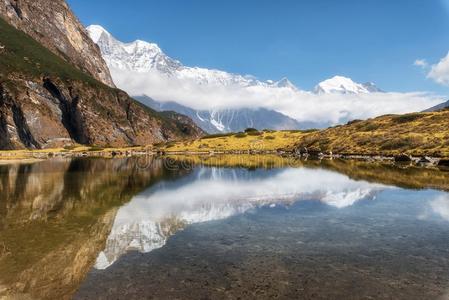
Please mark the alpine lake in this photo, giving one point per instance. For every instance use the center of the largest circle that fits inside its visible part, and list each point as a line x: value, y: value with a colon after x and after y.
x: 223, y: 227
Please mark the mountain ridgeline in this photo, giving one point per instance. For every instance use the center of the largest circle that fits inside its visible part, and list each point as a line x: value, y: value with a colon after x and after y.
x: 55, y: 88
x: 230, y: 120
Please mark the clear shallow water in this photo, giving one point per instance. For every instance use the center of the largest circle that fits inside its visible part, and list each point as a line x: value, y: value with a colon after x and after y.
x: 105, y: 229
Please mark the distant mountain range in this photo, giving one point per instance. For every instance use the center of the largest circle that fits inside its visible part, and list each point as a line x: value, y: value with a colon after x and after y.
x: 141, y: 56
x: 230, y: 120
x: 147, y: 58
x: 438, y: 107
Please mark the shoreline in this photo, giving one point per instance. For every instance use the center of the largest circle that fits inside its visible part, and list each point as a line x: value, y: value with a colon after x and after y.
x: 32, y: 156
x: 24, y: 156
x: 416, y: 160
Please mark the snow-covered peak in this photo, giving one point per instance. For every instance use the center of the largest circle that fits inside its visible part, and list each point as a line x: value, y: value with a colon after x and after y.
x: 142, y: 46
x: 96, y: 31
x: 344, y: 85
x: 137, y: 56
x: 142, y: 57
x: 285, y: 83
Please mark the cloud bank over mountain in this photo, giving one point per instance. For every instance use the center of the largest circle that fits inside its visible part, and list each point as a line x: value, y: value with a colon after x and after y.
x: 142, y: 68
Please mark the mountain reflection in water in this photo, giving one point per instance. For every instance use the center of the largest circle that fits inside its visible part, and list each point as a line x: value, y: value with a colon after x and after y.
x: 213, y: 194
x: 109, y: 220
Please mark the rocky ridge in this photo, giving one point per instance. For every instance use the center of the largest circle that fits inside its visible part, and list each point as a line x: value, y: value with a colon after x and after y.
x: 47, y: 102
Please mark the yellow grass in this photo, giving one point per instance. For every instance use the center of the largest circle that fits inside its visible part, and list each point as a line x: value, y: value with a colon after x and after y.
x: 417, y: 134
x: 266, y: 141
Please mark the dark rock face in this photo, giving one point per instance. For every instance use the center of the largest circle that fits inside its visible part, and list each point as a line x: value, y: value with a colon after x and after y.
x: 52, y: 23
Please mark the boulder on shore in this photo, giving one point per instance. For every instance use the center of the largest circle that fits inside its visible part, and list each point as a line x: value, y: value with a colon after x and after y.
x: 425, y: 160
x: 403, y: 158
x: 443, y: 163
x: 314, y: 151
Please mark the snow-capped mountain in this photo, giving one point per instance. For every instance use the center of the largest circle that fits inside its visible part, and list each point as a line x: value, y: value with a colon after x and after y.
x: 140, y: 56
x: 344, y: 85
x: 137, y: 56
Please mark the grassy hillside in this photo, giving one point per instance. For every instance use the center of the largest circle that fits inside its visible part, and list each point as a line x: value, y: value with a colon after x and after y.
x: 416, y: 134
x: 20, y: 53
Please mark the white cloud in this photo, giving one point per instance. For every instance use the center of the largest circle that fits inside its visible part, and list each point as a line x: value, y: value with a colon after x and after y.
x: 421, y: 63
x: 301, y: 105
x: 441, y: 206
x: 440, y: 71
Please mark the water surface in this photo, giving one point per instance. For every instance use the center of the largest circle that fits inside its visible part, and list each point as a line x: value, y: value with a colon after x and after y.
x: 223, y: 228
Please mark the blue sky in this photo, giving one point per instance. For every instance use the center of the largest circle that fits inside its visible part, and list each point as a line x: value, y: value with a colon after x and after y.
x: 306, y: 41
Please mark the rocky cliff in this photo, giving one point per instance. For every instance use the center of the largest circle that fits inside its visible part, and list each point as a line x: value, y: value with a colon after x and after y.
x: 47, y: 102
x: 52, y: 23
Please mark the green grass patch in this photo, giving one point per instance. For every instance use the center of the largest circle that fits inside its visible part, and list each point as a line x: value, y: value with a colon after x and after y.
x: 240, y: 135
x: 218, y: 135
x: 254, y: 133
x: 408, y: 118
x: 23, y: 54
x: 247, y: 130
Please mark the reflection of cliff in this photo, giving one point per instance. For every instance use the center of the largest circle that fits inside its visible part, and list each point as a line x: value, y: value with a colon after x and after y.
x: 211, y: 194
x: 55, y: 218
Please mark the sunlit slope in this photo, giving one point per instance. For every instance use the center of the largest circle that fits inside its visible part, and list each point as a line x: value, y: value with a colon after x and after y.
x: 415, y: 134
